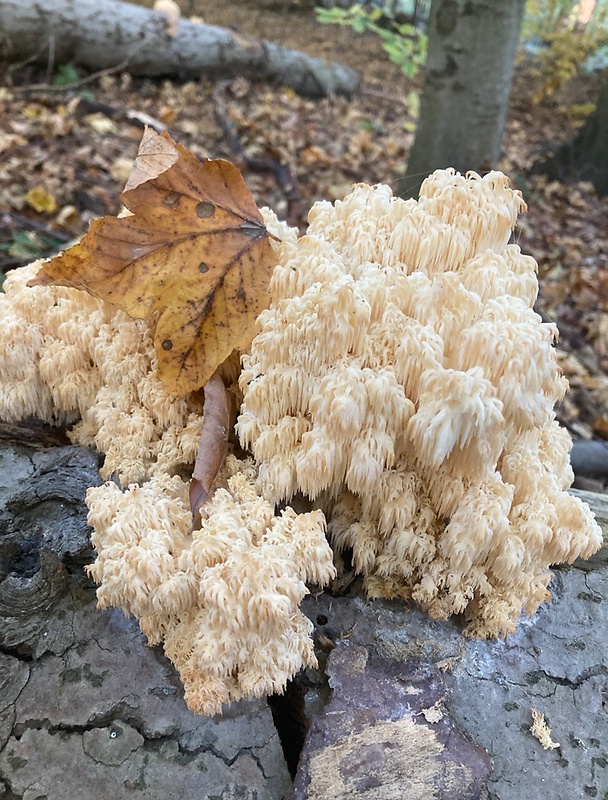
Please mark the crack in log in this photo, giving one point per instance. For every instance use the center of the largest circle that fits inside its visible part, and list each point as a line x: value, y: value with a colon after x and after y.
x: 290, y: 721
x: 291, y: 713
x: 597, y: 597
x: 184, y: 753
x: 120, y: 712
x: 591, y: 672
x: 12, y: 651
x: 6, y: 785
x: 230, y: 760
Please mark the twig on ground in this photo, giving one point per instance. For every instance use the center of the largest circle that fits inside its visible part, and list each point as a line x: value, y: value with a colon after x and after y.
x: 69, y: 87
x: 27, y: 222
x: 88, y: 106
x: 281, y: 172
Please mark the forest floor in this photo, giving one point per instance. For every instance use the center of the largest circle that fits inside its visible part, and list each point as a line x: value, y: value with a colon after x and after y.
x: 66, y: 151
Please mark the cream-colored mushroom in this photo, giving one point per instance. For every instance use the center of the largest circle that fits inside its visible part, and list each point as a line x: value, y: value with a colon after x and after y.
x: 420, y: 415
x: 400, y: 378
x: 224, y: 599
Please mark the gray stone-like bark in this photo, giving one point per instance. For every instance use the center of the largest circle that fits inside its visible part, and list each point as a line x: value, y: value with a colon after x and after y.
x: 103, y: 35
x: 386, y: 735
x: 87, y: 709
x: 556, y: 663
x: 405, y: 705
x: 472, y: 47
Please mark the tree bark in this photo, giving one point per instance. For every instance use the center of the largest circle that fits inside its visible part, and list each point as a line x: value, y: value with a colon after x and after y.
x: 586, y: 157
x: 84, y: 701
x: 472, y: 47
x: 103, y: 35
x: 598, y: 503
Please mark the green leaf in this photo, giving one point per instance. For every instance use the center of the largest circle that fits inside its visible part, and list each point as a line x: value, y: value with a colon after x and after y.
x: 28, y: 245
x: 65, y: 75
x: 404, y: 44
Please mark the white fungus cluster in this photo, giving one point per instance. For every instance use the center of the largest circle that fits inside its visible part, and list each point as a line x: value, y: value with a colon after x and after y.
x: 67, y: 357
x: 223, y: 599
x: 402, y: 380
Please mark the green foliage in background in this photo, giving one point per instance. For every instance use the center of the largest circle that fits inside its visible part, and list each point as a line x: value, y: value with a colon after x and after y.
x: 543, y: 16
x: 565, y: 40
x: 404, y: 44
x: 26, y: 246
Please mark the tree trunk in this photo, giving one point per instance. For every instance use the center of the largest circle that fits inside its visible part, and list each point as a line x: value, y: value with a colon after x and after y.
x: 100, y: 35
x: 472, y: 47
x: 586, y: 157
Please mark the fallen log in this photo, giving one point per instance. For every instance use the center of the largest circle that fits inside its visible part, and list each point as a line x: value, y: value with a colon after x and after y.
x: 598, y: 503
x: 100, y: 36
x: 410, y: 702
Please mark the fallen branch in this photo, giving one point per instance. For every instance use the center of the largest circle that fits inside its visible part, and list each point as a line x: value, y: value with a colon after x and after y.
x: 590, y: 459
x: 47, y: 88
x: 9, y: 216
x: 100, y: 36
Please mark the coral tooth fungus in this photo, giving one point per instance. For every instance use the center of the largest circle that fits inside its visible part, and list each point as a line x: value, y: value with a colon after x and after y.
x: 399, y: 378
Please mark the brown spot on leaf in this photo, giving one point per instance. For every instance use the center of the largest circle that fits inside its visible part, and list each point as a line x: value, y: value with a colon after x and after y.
x: 205, y: 210
x: 172, y: 200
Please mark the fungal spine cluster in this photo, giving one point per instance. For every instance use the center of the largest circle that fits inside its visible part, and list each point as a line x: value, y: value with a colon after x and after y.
x: 400, y: 379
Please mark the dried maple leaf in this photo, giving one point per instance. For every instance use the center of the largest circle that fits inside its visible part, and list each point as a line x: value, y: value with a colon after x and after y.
x: 195, y: 250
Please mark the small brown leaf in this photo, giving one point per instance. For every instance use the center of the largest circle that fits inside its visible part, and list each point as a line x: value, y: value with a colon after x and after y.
x: 195, y: 250
x: 212, y: 444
